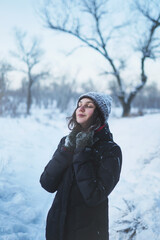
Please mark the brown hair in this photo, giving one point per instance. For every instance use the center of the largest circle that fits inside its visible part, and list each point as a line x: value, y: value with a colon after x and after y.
x: 94, y: 122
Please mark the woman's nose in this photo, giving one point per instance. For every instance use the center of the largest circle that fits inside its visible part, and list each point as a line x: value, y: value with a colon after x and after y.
x: 82, y: 108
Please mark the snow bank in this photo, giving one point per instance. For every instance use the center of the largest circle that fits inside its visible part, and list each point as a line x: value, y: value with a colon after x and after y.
x: 27, y: 144
x: 135, y: 203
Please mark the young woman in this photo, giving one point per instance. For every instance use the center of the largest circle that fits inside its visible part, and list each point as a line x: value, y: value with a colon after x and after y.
x: 83, y: 170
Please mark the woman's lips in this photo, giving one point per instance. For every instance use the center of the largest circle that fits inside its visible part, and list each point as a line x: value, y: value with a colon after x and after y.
x: 81, y: 115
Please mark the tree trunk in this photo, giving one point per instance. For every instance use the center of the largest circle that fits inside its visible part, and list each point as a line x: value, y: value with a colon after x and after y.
x: 126, y: 105
x: 29, y: 97
x: 126, y: 109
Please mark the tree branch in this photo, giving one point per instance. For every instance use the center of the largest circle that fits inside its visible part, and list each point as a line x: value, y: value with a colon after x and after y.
x: 96, y: 10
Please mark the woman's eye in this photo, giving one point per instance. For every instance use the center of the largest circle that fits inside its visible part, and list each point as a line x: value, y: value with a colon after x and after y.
x: 89, y: 106
x: 85, y: 106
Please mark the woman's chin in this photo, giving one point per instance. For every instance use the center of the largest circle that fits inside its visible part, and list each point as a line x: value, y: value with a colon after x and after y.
x: 81, y: 123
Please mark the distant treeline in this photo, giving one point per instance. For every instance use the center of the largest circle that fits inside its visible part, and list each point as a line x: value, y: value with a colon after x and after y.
x: 64, y: 94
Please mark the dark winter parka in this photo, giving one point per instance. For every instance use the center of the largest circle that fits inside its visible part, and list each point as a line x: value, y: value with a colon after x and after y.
x: 83, y: 180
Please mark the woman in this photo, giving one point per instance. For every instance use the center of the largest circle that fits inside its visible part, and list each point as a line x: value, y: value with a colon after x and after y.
x: 83, y: 170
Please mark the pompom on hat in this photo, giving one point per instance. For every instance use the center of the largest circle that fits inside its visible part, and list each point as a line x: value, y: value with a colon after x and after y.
x: 102, y: 101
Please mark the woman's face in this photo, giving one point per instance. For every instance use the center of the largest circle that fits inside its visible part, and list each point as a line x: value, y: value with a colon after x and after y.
x: 84, y: 111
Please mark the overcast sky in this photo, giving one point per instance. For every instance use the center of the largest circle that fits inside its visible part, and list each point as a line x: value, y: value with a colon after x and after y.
x: 22, y: 14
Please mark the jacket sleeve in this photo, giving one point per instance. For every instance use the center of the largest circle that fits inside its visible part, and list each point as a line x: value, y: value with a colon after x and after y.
x: 56, y: 167
x: 96, y: 185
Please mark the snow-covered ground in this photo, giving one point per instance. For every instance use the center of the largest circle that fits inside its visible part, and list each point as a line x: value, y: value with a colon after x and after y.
x: 27, y: 144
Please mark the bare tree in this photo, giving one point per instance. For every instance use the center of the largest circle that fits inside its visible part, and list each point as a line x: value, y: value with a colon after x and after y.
x: 149, y: 98
x: 148, y: 44
x: 30, y: 55
x: 64, y: 91
x: 4, y: 69
x: 97, y: 37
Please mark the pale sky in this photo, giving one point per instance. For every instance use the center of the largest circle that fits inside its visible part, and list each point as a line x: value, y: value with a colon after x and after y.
x: 86, y: 63
x: 22, y: 14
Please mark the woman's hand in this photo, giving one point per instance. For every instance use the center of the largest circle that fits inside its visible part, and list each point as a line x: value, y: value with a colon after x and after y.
x: 84, y: 139
x: 70, y: 141
x: 78, y: 139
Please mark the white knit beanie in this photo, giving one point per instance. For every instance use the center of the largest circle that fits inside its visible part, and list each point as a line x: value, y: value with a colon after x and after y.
x: 101, y: 100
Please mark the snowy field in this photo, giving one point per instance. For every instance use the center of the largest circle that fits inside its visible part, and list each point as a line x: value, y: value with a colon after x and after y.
x: 27, y: 144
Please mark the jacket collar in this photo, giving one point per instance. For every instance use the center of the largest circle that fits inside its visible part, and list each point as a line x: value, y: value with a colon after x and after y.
x: 103, y: 133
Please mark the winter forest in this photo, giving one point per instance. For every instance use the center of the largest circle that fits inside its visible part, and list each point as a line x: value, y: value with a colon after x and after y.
x: 55, y: 51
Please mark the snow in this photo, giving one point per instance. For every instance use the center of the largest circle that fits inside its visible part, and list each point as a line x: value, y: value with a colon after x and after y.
x: 137, y: 194
x: 27, y: 144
